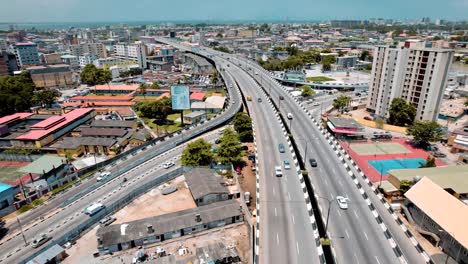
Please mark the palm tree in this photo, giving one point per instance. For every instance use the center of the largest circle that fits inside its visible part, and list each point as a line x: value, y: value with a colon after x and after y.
x: 143, y: 90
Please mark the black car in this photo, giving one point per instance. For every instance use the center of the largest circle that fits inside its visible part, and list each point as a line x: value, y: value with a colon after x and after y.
x: 259, y: 100
x: 217, y: 141
x: 313, y: 162
x: 281, y: 97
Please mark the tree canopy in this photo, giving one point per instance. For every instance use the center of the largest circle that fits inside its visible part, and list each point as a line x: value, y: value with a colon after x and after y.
x: 157, y: 109
x: 243, y: 126
x: 197, y: 153
x: 230, y: 149
x: 430, y: 162
x: 401, y: 113
x: 341, y: 102
x: 424, y: 132
x: 93, y: 76
x: 307, y: 91
x: 46, y: 97
x: 142, y: 89
x: 327, y: 61
x: 16, y: 93
x: 155, y: 85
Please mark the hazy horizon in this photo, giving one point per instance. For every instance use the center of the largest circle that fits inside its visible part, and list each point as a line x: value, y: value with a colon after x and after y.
x: 121, y: 11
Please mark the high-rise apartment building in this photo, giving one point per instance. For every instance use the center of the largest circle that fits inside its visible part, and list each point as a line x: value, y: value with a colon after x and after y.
x: 135, y: 51
x: 26, y: 53
x: 412, y: 72
x: 97, y: 49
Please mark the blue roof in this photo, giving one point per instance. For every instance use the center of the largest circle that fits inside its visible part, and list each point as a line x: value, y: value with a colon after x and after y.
x: 4, y: 187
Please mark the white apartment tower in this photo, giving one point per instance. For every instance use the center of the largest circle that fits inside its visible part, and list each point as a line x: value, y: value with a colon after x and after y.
x: 95, y: 49
x: 410, y: 71
x: 135, y: 51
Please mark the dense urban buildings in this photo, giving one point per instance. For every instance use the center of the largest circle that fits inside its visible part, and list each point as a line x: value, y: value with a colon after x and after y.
x: 26, y: 54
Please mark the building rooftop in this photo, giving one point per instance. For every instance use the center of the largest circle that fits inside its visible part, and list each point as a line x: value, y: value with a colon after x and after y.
x: 443, y: 208
x: 217, y: 101
x: 112, y: 123
x: 47, y: 255
x: 197, y: 96
x: 4, y: 187
x: 195, y: 114
x: 198, y: 60
x: 344, y: 122
x: 119, y: 233
x: 448, y: 177
x: 203, y: 181
x: 41, y: 131
x: 103, y: 132
x: 16, y: 116
x: 75, y: 142
x: 43, y: 164
x: 114, y: 87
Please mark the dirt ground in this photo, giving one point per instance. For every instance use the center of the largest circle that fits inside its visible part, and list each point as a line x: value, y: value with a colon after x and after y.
x: 231, y: 236
x: 152, y: 203
x: 247, y: 180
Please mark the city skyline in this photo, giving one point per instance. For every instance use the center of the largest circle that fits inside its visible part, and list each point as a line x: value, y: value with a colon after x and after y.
x: 215, y: 11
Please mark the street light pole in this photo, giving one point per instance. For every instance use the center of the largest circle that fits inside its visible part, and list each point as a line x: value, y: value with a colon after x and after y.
x: 22, y: 233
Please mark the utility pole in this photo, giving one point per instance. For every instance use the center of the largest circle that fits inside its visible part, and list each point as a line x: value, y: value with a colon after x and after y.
x: 22, y: 233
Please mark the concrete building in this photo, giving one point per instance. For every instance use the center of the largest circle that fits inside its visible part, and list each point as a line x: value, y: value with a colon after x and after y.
x: 52, y: 58
x: 71, y: 60
x: 94, y: 49
x: 137, y: 51
x: 436, y: 211
x: 206, y: 186
x: 51, y: 76
x: 7, y: 198
x: 173, y: 225
x: 87, y: 58
x: 199, y: 65
x: 27, y: 54
x: 412, y: 72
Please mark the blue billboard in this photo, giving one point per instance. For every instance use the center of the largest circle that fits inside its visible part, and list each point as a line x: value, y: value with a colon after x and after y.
x: 180, y: 95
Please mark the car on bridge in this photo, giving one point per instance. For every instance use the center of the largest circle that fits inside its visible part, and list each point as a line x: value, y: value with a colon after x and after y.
x: 40, y: 240
x: 278, y: 171
x: 342, y: 202
x: 281, y: 148
x: 259, y: 100
x: 286, y: 164
x: 103, y: 176
x: 167, y: 165
x: 313, y: 162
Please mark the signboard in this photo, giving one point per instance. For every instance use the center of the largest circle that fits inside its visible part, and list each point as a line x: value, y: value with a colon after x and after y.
x: 180, y: 95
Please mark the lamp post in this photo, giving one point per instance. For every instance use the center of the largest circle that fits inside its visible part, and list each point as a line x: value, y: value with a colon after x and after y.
x: 22, y: 233
x: 328, y: 213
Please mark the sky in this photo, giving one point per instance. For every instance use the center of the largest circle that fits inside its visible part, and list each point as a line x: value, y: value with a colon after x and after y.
x: 20, y: 11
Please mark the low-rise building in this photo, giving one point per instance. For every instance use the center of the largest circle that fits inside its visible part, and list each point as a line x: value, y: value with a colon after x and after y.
x: 436, y: 211
x: 194, y: 117
x: 7, y: 198
x: 199, y: 65
x: 206, y: 186
x: 344, y: 127
x: 164, y: 227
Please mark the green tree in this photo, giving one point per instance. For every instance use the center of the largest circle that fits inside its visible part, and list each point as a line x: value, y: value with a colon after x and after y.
x: 16, y: 93
x: 155, y: 85
x: 341, y: 102
x: 230, y: 149
x: 466, y: 102
x: 219, y: 35
x: 197, y: 153
x: 401, y: 113
x: 157, y: 109
x: 142, y: 89
x: 93, y: 76
x: 424, y: 132
x: 364, y: 55
x: 243, y: 126
x: 405, y: 185
x: 46, y: 97
x: 328, y: 59
x: 430, y: 162
x: 307, y: 91
x: 214, y: 77
x: 292, y: 51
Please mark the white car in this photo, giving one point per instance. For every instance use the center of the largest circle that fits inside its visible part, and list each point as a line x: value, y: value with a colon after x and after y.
x: 342, y: 202
x: 286, y: 164
x: 167, y: 165
x: 40, y: 240
x: 103, y: 176
x: 278, y: 171
x: 316, y: 104
x: 290, y: 116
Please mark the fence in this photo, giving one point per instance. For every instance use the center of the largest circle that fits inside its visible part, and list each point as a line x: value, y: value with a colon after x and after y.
x: 18, y: 157
x: 115, y: 206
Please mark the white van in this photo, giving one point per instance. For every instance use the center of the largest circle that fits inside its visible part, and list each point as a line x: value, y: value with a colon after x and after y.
x: 94, y: 208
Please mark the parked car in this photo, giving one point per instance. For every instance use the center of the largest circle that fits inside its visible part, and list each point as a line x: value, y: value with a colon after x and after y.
x: 286, y: 164
x: 167, y: 165
x: 438, y: 154
x: 313, y: 162
x: 278, y: 171
x: 281, y: 148
x: 103, y: 176
x: 342, y: 202
x: 107, y: 221
x: 40, y: 240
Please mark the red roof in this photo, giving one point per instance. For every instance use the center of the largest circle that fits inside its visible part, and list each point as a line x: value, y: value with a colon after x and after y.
x: 100, y: 98
x: 69, y: 118
x: 129, y: 87
x: 164, y: 95
x: 197, y: 96
x: 13, y: 117
x: 48, y: 123
x: 344, y: 131
x: 107, y: 103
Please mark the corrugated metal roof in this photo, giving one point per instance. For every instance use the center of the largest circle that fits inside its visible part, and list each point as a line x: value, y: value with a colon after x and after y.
x: 45, y: 163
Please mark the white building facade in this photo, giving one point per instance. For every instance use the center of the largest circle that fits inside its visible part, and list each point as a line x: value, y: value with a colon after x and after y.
x: 412, y: 72
x: 135, y: 51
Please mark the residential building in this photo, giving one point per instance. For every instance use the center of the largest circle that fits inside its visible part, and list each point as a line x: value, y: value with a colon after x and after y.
x: 137, y: 51
x: 53, y: 254
x: 3, y: 64
x: 71, y: 60
x: 26, y: 53
x: 412, y: 72
x: 164, y: 227
x: 436, y: 211
x: 107, y: 62
x: 52, y: 58
x: 87, y: 58
x: 346, y: 62
x: 97, y: 50
x: 7, y: 198
x: 206, y: 186
x: 10, y: 60
x: 51, y: 76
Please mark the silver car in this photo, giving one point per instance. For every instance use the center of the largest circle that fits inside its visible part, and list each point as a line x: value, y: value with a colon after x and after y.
x: 342, y: 202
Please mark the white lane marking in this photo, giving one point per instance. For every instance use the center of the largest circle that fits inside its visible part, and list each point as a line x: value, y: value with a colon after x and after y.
x: 331, y: 195
x: 338, y: 211
x: 273, y: 190
x: 277, y: 238
x: 366, y: 235
x: 346, y: 231
x: 355, y: 214
x: 340, y: 183
x: 376, y: 258
x: 289, y: 196
x: 326, y: 182
x: 357, y: 260
x: 276, y: 213
x: 297, y: 248
x: 294, y: 222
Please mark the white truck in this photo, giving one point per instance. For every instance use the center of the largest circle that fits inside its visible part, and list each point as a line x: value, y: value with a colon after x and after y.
x: 93, y: 209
